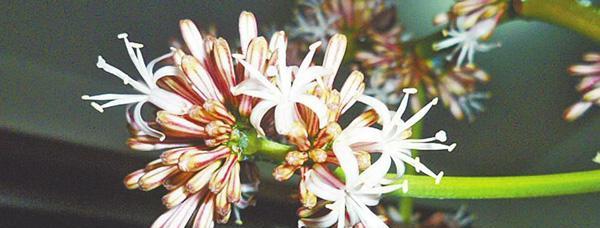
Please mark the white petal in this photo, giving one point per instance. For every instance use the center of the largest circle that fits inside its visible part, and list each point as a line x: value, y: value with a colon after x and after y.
x: 137, y: 115
x: 284, y: 79
x: 369, y: 219
x: 316, y: 105
x: 150, y: 66
x: 417, y: 116
x: 348, y: 162
x: 284, y: 116
x: 256, y: 88
x: 376, y: 172
x: 308, y: 75
x: 324, y: 221
x: 379, y: 107
x: 165, y: 71
x: 258, y: 112
x: 355, y: 135
x: 320, y: 188
x: 169, y: 102
x: 254, y: 73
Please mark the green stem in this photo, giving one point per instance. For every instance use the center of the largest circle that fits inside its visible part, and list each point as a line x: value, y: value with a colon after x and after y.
x: 407, y: 203
x: 502, y: 187
x: 271, y: 150
x: 567, y: 13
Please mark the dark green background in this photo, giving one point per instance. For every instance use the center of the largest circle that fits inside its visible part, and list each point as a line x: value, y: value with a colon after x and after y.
x: 63, y: 161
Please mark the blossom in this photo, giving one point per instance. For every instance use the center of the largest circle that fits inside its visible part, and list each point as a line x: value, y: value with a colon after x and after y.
x: 467, y: 40
x: 290, y: 88
x: 589, y: 86
x: 392, y: 68
x: 314, y: 25
x: 473, y: 11
x: 149, y: 90
x: 321, y: 19
x: 205, y: 147
x: 392, y: 141
x: 349, y: 200
x: 457, y: 90
x: 312, y: 142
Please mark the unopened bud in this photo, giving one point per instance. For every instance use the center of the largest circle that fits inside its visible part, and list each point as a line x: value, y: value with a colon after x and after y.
x: 364, y: 159
x: 283, y: 172
x: 296, y: 158
x: 327, y: 134
x: 318, y: 155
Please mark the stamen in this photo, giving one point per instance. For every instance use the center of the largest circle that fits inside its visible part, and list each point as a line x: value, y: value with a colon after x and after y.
x: 438, y: 177
x: 418, y: 116
x: 415, y: 162
x: 451, y: 147
x: 409, y: 90
x: 405, y: 186
x: 96, y: 106
x: 418, y: 161
x: 308, y: 59
x: 441, y: 136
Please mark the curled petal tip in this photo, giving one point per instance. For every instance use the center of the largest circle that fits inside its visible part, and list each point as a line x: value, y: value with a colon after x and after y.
x: 122, y: 35
x: 434, y: 101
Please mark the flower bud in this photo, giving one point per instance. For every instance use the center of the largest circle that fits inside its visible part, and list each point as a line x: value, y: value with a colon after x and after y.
x: 283, y: 172
x: 296, y: 158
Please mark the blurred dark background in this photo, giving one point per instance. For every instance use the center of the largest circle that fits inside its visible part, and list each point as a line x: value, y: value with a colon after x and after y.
x: 61, y: 162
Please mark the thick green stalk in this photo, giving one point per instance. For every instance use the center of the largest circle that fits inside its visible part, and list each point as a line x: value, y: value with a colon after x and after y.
x: 571, y: 14
x: 502, y: 187
x: 271, y: 150
x: 407, y: 203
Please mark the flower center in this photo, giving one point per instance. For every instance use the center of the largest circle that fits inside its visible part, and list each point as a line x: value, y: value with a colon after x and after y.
x: 243, y: 140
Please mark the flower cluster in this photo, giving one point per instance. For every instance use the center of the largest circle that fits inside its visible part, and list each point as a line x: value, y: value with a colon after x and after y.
x: 318, y: 20
x: 461, y: 218
x: 390, y: 58
x: 392, y: 68
x: 216, y: 108
x: 589, y: 86
x: 469, y: 22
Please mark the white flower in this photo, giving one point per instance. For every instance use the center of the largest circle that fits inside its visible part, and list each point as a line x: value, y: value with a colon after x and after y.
x: 284, y: 93
x: 384, y: 89
x: 467, y: 41
x: 391, y: 141
x: 314, y: 26
x: 149, y: 91
x: 350, y: 201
